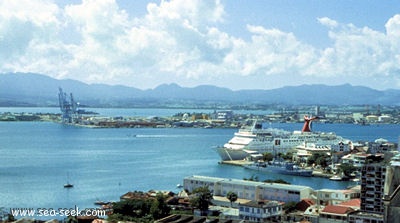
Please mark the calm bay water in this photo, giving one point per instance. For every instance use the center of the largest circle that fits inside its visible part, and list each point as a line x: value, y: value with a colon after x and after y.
x: 37, y: 157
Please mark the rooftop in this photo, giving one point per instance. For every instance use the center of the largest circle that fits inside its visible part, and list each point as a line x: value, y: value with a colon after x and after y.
x: 248, y: 183
x: 351, y: 203
x: 340, y: 210
x: 262, y: 203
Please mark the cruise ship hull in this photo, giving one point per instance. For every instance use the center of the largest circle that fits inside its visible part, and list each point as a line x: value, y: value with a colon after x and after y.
x: 273, y: 141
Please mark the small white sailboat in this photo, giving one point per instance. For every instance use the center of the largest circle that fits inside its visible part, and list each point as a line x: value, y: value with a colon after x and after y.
x: 68, y: 185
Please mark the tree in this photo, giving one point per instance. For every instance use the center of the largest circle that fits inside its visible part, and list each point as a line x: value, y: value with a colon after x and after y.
x: 159, y: 207
x: 136, y: 208
x: 201, y: 199
x: 232, y: 196
x: 289, y: 206
x: 279, y: 181
x: 347, y: 169
x: 268, y: 157
x: 288, y: 156
x: 319, y: 159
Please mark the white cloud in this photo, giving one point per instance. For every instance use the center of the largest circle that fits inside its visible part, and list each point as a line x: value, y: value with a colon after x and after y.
x: 393, y: 26
x: 22, y: 21
x: 178, y: 41
x: 328, y: 22
x: 359, y: 52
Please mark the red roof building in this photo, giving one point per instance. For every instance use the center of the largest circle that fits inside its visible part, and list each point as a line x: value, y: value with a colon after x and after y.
x: 334, y: 213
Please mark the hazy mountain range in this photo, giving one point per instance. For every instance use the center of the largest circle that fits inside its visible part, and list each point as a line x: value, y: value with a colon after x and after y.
x: 28, y: 89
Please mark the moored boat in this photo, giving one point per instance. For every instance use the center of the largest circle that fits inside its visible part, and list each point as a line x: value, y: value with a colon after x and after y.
x: 286, y: 168
x: 68, y: 185
x: 99, y: 202
x: 336, y: 178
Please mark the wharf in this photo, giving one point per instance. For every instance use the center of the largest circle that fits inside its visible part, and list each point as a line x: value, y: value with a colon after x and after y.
x: 321, y: 174
x: 315, y: 173
x: 236, y: 162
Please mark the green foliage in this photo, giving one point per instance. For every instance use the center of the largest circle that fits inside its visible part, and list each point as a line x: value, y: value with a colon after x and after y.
x: 319, y: 159
x: 289, y: 206
x: 268, y: 157
x: 201, y: 198
x: 279, y: 181
x: 347, y: 169
x: 159, y: 207
x: 140, y: 210
x: 133, y: 208
x: 232, y: 197
x: 287, y: 156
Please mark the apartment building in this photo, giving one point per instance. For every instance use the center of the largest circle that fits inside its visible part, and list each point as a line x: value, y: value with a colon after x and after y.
x: 391, y: 197
x: 373, y: 174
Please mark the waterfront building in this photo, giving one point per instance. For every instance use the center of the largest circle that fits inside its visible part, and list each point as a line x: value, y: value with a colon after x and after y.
x: 381, y: 146
x: 358, y: 117
x: 372, y: 118
x: 356, y: 159
x: 225, y: 115
x: 342, y: 147
x: 250, y: 190
x: 260, y: 211
x: 385, y: 118
x: 307, y: 150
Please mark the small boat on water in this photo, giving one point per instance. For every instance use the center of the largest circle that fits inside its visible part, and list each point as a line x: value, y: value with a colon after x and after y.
x: 68, y: 185
x: 99, y: 202
x: 286, y: 168
x: 336, y: 178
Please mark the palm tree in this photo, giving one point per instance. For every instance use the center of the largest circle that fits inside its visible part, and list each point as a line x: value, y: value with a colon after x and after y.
x: 232, y: 196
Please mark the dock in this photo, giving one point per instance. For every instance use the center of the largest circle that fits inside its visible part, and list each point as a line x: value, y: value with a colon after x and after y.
x: 236, y: 162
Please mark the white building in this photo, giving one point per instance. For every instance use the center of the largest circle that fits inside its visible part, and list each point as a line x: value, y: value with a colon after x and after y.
x: 335, y: 197
x: 249, y: 189
x: 355, y: 159
x: 306, y: 150
x: 260, y: 211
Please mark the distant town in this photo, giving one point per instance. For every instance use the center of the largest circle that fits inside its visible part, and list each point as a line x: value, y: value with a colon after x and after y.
x: 373, y: 166
x: 360, y: 115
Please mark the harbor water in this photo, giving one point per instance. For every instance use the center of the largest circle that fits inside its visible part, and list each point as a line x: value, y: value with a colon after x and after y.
x: 38, y: 158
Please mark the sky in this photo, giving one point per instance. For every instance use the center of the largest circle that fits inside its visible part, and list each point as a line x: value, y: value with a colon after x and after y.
x: 236, y: 44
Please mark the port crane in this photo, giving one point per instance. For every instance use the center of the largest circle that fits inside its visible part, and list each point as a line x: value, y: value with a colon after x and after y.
x: 69, y: 108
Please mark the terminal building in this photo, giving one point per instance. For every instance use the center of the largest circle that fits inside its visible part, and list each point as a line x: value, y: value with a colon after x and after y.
x: 250, y: 190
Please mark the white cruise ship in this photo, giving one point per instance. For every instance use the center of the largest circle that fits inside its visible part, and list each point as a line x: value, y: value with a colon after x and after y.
x: 258, y: 140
